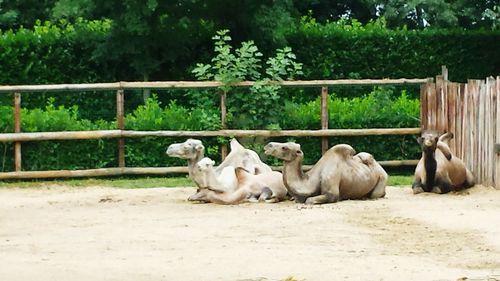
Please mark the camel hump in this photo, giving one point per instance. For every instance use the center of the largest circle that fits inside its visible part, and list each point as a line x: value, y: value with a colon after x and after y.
x: 241, y: 174
x: 366, y: 158
x: 235, y: 145
x: 344, y: 149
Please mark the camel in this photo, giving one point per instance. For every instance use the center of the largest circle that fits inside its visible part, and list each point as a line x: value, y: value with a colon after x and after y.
x: 266, y: 187
x: 336, y: 176
x: 208, y: 179
x: 439, y: 171
x: 193, y: 151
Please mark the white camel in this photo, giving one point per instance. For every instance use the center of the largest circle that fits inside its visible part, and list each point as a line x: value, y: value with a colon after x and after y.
x: 193, y: 151
x: 268, y: 187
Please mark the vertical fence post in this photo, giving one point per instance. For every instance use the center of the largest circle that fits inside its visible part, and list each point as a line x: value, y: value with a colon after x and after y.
x: 444, y: 100
x: 497, y: 158
x: 120, y: 124
x: 324, y: 118
x: 17, y: 129
x: 425, y: 99
x: 223, y: 113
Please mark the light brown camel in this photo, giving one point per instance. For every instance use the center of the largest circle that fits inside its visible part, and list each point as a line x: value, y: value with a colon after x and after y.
x: 336, y: 176
x: 438, y: 170
x: 193, y: 151
x: 266, y: 187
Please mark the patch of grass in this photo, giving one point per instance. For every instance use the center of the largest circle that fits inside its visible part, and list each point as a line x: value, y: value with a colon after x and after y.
x: 147, y: 182
x: 395, y: 180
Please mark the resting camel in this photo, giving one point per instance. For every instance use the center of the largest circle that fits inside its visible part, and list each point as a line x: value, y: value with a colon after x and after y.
x: 208, y: 179
x: 266, y: 187
x: 438, y: 170
x: 193, y: 151
x: 338, y: 175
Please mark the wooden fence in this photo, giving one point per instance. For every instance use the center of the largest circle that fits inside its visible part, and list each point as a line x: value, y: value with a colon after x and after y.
x: 120, y: 133
x: 471, y: 112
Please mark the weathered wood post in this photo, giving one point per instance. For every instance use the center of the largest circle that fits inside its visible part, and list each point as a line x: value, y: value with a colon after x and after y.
x: 497, y: 145
x: 324, y: 118
x: 120, y: 124
x: 444, y: 100
x: 426, y: 111
x: 17, y: 129
x: 223, y: 113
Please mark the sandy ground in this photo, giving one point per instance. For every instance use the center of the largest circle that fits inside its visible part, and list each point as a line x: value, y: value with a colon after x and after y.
x: 61, y: 233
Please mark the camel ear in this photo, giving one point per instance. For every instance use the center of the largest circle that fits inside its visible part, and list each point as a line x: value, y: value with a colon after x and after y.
x: 420, y: 140
x: 212, y: 162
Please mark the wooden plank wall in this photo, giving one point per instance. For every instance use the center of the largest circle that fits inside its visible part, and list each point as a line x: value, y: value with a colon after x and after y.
x: 471, y: 112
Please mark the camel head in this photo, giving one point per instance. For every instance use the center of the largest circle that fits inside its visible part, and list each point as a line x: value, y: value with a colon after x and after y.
x: 205, y: 164
x: 429, y: 141
x: 190, y: 149
x: 285, y: 151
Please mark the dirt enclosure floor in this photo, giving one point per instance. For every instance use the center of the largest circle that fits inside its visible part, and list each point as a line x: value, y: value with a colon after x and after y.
x: 61, y: 233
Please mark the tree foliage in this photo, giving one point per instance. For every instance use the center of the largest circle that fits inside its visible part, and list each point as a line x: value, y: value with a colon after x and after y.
x: 259, y: 107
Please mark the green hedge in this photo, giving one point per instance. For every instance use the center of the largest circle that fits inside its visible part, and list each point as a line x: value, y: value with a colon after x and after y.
x: 70, y: 53
x: 57, y: 54
x: 86, y: 154
x: 379, y: 109
x: 340, y: 50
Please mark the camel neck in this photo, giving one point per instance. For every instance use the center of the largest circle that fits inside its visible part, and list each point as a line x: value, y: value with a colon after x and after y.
x: 192, y: 163
x: 294, y: 178
x: 430, y: 165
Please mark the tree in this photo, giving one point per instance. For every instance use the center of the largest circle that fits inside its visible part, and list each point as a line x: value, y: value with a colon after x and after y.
x: 469, y: 14
x: 72, y: 9
x: 16, y: 13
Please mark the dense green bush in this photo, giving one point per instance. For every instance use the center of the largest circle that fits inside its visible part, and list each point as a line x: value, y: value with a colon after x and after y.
x: 351, y: 50
x: 57, y: 53
x: 150, y: 151
x: 85, y: 154
x: 379, y: 109
x: 70, y: 53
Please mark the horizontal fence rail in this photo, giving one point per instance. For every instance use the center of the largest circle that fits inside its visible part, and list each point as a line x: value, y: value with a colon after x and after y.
x: 198, y: 85
x: 121, y: 134
x: 130, y: 171
x: 108, y: 134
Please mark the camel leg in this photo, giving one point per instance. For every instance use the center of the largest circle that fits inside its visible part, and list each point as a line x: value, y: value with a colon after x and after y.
x: 323, y: 198
x: 417, y: 186
x: 253, y: 199
x: 267, y: 195
x: 379, y: 190
x: 330, y: 191
x: 299, y: 199
x: 441, y: 187
x: 469, y: 179
x: 445, y: 149
x: 200, y: 195
x: 236, y: 197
